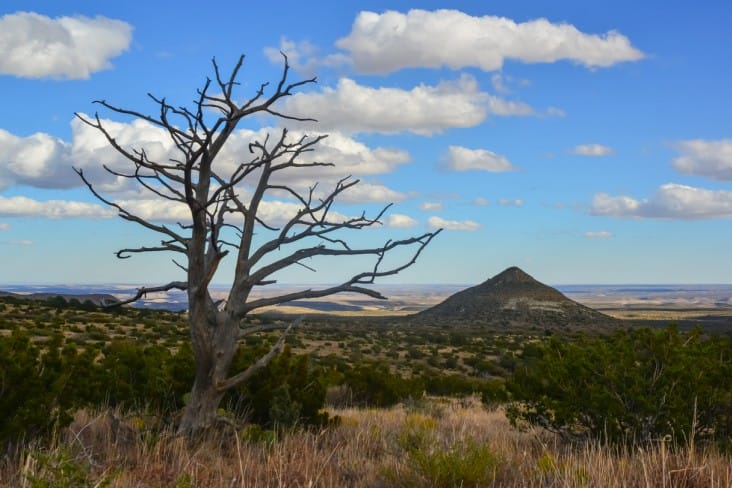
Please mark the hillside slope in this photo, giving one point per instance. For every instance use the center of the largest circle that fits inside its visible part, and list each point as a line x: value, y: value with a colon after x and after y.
x: 512, y: 298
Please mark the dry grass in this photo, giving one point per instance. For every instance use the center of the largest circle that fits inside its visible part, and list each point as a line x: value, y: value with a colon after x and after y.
x: 370, y: 448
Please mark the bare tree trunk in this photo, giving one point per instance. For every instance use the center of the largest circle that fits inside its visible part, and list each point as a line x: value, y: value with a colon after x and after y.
x: 214, y: 348
x: 201, y: 410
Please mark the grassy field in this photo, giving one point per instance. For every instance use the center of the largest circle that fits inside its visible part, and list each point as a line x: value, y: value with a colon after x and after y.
x: 430, y: 443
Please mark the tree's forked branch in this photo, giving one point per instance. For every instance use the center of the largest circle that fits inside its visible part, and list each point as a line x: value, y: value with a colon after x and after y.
x: 262, y: 362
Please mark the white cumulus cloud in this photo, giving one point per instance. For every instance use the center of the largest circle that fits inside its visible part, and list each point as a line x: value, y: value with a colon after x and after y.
x: 440, y: 223
x: 400, y: 221
x: 37, y: 160
x: 390, y: 41
x: 423, y: 110
x: 506, y: 108
x: 371, y: 193
x: 303, y: 56
x: 709, y: 158
x: 36, y: 46
x: 594, y: 150
x: 463, y: 159
x: 43, y: 161
x: 431, y: 206
x: 671, y: 201
x: 20, y: 206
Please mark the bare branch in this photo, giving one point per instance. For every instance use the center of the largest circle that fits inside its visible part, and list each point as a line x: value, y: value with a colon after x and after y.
x: 262, y: 362
x: 143, y: 291
x: 127, y: 252
x: 350, y: 285
x: 127, y: 215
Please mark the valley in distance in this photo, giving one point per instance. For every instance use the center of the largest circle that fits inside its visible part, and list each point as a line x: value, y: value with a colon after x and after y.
x: 520, y: 300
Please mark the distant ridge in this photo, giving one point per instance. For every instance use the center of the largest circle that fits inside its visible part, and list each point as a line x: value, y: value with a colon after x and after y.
x: 99, y: 299
x: 512, y: 298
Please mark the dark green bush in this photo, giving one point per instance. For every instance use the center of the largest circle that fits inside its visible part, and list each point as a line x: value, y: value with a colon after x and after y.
x: 373, y: 384
x: 633, y: 386
x: 289, y: 391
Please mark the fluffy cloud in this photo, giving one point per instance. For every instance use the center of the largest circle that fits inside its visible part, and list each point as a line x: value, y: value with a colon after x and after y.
x: 4, y: 226
x: 423, y: 110
x: 671, y: 201
x: 592, y: 150
x: 387, y: 42
x: 510, y: 202
x: 51, y: 209
x: 602, y: 234
x: 44, y: 161
x: 401, y: 221
x: 37, y: 160
x: 272, y: 212
x: 464, y: 159
x: 371, y: 193
x: 431, y: 206
x: 36, y: 46
x: 481, y: 202
x: 303, y: 56
x: 439, y: 223
x: 507, y: 108
x: 712, y: 159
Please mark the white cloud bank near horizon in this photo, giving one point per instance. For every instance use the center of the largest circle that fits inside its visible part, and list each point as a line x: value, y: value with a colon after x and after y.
x: 391, y: 41
x: 37, y: 46
x: 671, y: 201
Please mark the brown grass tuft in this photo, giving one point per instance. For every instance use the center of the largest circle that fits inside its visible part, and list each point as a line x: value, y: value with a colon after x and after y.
x: 433, y: 442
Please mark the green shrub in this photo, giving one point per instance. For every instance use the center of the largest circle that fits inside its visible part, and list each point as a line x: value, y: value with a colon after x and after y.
x: 373, y: 384
x: 289, y: 391
x: 61, y: 469
x: 631, y: 387
x: 435, y: 462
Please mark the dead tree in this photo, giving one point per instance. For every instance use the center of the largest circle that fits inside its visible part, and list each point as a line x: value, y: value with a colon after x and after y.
x: 223, y: 221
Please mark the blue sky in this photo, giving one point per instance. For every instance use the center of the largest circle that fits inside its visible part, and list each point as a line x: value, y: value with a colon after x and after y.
x: 583, y: 144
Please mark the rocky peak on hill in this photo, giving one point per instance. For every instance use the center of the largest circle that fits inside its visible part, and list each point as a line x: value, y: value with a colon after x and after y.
x: 513, y: 298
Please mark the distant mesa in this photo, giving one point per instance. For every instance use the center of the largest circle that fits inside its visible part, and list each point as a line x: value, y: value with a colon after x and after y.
x: 98, y: 299
x: 512, y: 298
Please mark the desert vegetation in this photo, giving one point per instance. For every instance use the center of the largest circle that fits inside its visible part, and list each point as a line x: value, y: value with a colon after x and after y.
x: 92, y: 397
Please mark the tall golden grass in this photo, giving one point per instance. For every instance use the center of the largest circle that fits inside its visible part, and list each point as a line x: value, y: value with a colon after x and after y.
x: 432, y: 442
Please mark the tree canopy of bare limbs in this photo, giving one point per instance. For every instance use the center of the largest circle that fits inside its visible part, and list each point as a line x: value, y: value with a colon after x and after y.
x: 225, y: 219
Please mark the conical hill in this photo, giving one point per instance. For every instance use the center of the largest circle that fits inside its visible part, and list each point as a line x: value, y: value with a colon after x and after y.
x: 512, y: 298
